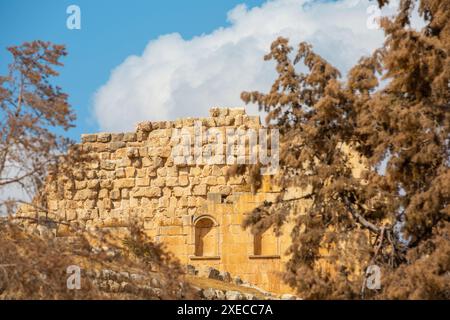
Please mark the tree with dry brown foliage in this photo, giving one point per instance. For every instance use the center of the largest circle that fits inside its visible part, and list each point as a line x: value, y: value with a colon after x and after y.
x: 395, y: 212
x: 32, y: 108
x: 33, y: 260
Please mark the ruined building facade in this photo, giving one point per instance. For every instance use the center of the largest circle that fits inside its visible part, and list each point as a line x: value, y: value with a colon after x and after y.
x: 195, y: 209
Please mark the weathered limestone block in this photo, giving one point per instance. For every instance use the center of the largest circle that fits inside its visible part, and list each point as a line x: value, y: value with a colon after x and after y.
x: 106, y: 183
x: 149, y: 192
x: 114, y: 194
x: 146, y: 126
x: 105, y: 174
x: 143, y: 182
x: 52, y: 205
x: 103, y: 137
x: 157, y: 162
x: 133, y: 153
x: 191, y: 201
x: 108, y: 165
x: 163, y: 202
x: 141, y: 136
x: 154, y: 149
x: 167, y: 191
x: 180, y: 191
x: 129, y: 137
x: 194, y: 180
x: 183, y: 180
x: 147, y: 162
x: 216, y: 171
x: 171, y: 181
x: 221, y: 180
x: 71, y: 215
x: 214, y: 112
x: 158, y: 182
x: 124, y: 162
x: 164, y: 141
x: 238, y: 120
x: 94, y: 165
x: 88, y: 138
x: 89, y: 204
x: 236, y: 111
x: 79, y: 185
x: 180, y: 212
x: 252, y: 121
x: 206, y: 171
x: 85, y: 194
x: 107, y: 204
x: 182, y: 202
x: 130, y: 172
x: 161, y: 172
x: 195, y: 171
x: 236, y: 180
x: 178, y: 123
x: 209, y: 122
x: 116, y: 137
x: 116, y: 145
x: 136, y: 162
x: 93, y: 184
x: 78, y: 174
x: 103, y: 193
x: 223, y: 112
x: 99, y: 147
x: 69, y: 185
x: 199, y: 190
x: 225, y: 121
x: 221, y: 189
x: 210, y: 181
x: 124, y: 183
x: 173, y: 202
x: 188, y: 122
x: 91, y: 174
x: 150, y: 173
x: 120, y: 173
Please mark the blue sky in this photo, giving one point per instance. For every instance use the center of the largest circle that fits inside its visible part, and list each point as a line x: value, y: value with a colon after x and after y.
x: 152, y: 60
x: 110, y: 31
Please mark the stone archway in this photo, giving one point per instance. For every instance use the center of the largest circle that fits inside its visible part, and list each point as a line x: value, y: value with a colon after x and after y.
x: 205, y: 237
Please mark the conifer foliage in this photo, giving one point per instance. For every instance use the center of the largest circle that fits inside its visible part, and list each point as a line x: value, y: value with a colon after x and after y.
x: 395, y: 212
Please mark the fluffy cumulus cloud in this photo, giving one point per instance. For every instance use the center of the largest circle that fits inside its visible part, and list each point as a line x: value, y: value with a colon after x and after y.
x: 175, y: 77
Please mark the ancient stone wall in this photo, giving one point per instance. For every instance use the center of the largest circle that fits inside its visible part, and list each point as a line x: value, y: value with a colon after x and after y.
x: 195, y: 209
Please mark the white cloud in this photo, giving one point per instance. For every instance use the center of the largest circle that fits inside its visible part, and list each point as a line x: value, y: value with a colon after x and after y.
x: 175, y: 77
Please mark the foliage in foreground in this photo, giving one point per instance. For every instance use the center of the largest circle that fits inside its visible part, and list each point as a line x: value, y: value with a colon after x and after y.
x: 32, y: 110
x: 33, y: 265
x: 395, y: 213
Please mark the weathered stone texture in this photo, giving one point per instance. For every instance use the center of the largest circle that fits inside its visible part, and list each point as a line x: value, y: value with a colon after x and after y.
x: 194, y: 209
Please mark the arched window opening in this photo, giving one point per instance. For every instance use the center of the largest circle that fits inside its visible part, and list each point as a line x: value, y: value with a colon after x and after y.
x: 205, y: 238
x: 265, y: 243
